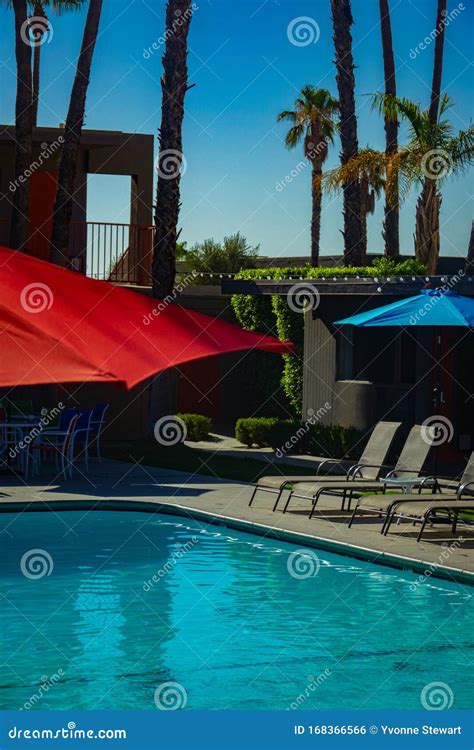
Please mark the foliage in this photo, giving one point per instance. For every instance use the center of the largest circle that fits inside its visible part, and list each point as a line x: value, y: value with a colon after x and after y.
x: 272, y: 315
x: 292, y: 436
x: 312, y: 120
x: 254, y: 430
x: 433, y: 151
x: 197, y: 426
x: 230, y: 256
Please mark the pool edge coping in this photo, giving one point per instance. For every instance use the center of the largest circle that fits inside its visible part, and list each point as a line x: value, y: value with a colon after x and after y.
x: 342, y: 548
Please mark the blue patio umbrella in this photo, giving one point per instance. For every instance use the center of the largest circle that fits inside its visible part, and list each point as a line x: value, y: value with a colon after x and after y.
x: 438, y: 308
x: 432, y: 307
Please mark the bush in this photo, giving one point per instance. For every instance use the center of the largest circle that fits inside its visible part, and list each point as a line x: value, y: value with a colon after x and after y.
x: 291, y: 436
x: 197, y: 426
x: 272, y: 314
x: 254, y: 431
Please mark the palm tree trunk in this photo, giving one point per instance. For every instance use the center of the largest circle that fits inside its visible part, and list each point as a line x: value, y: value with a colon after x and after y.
x: 174, y: 84
x: 469, y: 268
x: 36, y: 83
x: 23, y: 131
x: 72, y: 135
x: 364, y: 207
x: 427, y: 226
x: 429, y: 203
x: 390, y: 233
x: 438, y: 61
x: 342, y: 21
x: 316, y: 195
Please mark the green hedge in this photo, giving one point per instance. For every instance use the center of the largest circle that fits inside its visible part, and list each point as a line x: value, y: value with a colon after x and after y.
x: 197, y: 426
x: 272, y: 315
x: 292, y: 436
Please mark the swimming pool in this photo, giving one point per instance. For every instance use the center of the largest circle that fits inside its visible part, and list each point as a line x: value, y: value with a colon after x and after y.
x: 110, y: 609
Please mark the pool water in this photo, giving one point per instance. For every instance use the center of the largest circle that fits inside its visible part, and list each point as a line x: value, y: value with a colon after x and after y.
x: 114, y: 606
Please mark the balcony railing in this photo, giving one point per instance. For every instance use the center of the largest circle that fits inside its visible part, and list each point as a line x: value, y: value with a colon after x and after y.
x: 113, y: 252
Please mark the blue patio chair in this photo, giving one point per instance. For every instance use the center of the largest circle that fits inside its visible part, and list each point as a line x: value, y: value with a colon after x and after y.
x: 97, y: 425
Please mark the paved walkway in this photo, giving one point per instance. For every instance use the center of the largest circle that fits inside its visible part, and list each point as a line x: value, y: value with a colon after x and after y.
x: 119, y: 484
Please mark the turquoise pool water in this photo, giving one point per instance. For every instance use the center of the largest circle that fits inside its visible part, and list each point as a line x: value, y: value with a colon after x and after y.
x: 232, y: 621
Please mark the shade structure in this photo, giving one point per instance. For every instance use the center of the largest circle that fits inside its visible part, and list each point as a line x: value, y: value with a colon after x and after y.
x: 58, y: 326
x: 432, y: 307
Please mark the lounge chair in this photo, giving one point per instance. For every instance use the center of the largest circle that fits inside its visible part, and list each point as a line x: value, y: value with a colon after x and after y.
x: 386, y: 505
x: 374, y: 454
x: 429, y: 510
x: 410, y: 463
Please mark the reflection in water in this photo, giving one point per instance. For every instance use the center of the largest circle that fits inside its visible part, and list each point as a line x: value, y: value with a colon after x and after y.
x: 137, y: 600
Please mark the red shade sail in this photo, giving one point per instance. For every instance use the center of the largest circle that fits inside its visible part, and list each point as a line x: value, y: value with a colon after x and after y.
x: 58, y: 326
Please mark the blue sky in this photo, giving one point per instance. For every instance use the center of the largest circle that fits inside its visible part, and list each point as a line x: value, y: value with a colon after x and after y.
x: 245, y: 70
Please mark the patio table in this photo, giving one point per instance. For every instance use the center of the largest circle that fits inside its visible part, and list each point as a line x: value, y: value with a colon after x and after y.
x: 406, y: 484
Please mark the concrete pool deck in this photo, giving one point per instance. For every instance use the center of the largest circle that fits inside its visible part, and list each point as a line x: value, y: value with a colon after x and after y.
x: 132, y: 486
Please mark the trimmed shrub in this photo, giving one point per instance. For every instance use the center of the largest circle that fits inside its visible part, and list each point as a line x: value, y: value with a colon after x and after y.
x: 273, y: 315
x: 197, y: 426
x: 254, y: 430
x: 291, y: 436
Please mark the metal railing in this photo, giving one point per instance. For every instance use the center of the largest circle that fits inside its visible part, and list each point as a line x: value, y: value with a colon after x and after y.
x: 112, y: 252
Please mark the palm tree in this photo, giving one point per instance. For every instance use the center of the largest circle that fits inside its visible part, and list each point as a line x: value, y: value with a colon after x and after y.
x: 368, y: 168
x: 23, y: 130
x: 174, y: 84
x: 72, y: 135
x: 390, y: 232
x: 312, y: 121
x: 40, y: 26
x: 342, y: 22
x: 434, y: 152
x: 469, y: 267
x: 438, y: 61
